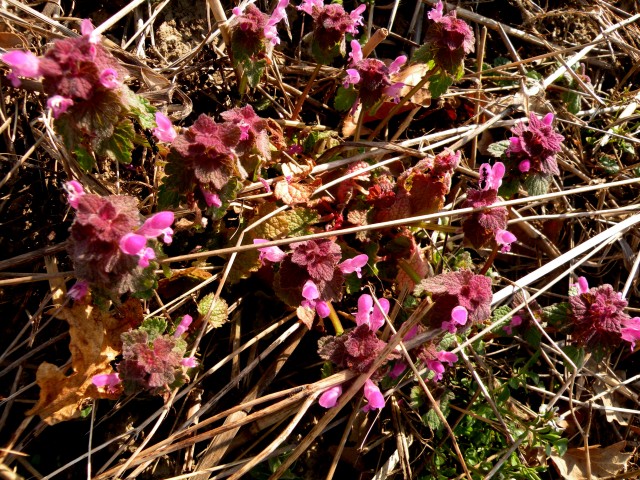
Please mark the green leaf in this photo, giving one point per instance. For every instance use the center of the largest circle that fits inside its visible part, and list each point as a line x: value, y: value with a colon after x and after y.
x: 219, y: 313
x: 154, y: 326
x: 572, y: 100
x: 561, y: 446
x: 556, y: 314
x: 424, y: 54
x: 142, y: 110
x: 500, y: 312
x: 345, y: 98
x: 498, y: 149
x: 439, y: 83
x: 576, y: 354
x: 253, y: 71
x: 536, y: 184
x: 509, y: 188
x: 417, y: 397
x: 85, y: 158
x: 227, y: 195
x: 609, y: 164
x: 120, y: 145
x: 533, y: 336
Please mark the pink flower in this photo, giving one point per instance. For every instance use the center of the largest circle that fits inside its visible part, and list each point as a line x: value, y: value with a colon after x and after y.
x: 631, y: 331
x: 356, y: 18
x: 311, y: 300
x: 164, y: 131
x: 354, y: 264
x: 183, y: 326
x: 356, y: 52
x: 515, y: 322
x: 373, y: 395
x: 79, y: 290
x: 582, y: 285
x: 158, y: 224
x: 330, y: 397
x: 436, y: 365
x: 58, y: 105
x: 273, y: 254
x: 265, y: 184
x: 189, y: 362
x: 307, y: 6
x: 270, y: 30
x: 397, y: 370
x: 396, y: 64
x: 437, y: 12
x: 133, y: 244
x: 87, y: 30
x: 459, y: 316
x: 353, y: 77
x: 538, y: 143
x: 24, y: 64
x: 211, y: 199
x: 109, y: 79
x: 505, y: 238
x: 369, y: 314
x: 491, y: 177
x: 108, y: 381
x: 74, y: 191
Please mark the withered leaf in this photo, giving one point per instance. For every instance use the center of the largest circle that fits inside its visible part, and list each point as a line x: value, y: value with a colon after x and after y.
x: 95, y: 342
x: 293, y: 193
x: 604, y: 461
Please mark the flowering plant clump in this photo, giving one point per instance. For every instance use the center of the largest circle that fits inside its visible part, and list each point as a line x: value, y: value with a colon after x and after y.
x: 330, y: 25
x: 598, y: 317
x: 357, y: 350
x: 152, y: 359
x: 447, y: 42
x: 313, y: 274
x: 490, y: 224
x: 210, y: 159
x: 86, y: 95
x: 373, y: 77
x: 110, y: 249
x: 253, y: 35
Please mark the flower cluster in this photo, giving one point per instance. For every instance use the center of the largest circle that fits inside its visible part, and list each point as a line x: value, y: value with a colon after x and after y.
x: 460, y: 298
x: 209, y: 155
x: 330, y: 25
x: 313, y: 274
x: 534, y: 147
x: 599, y: 319
x: 86, y: 94
x: 357, y: 350
x: 373, y: 77
x: 253, y: 34
x: 152, y: 359
x: 482, y: 227
x: 108, y: 245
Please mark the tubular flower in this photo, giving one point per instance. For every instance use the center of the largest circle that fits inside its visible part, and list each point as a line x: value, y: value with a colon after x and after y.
x: 536, y: 145
x: 74, y: 191
x: 183, y: 326
x: 505, y: 238
x: 24, y: 64
x: 354, y: 264
x: 164, y: 131
x: 459, y: 316
x: 133, y: 244
x: 329, y: 398
x: 373, y: 395
x: 108, y: 381
x: 273, y: 254
x: 58, y: 105
x: 312, y: 300
x: 369, y: 314
x: 158, y: 224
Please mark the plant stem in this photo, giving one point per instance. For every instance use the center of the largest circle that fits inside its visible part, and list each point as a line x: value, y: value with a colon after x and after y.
x: 408, y: 269
x: 305, y: 93
x: 487, y: 265
x: 335, y: 321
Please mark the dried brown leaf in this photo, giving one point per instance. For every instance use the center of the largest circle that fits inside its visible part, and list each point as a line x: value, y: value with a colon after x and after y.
x: 293, y: 193
x: 605, y: 462
x: 95, y: 343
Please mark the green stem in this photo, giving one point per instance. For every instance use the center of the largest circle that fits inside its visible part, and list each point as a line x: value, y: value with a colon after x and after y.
x: 335, y: 321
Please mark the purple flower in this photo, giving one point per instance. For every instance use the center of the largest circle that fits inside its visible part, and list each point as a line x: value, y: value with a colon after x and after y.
x: 158, y: 224
x: 373, y: 395
x: 397, y: 370
x: 273, y: 254
x: 108, y: 381
x: 183, y: 326
x: 370, y: 314
x: 87, y: 30
x: 307, y: 6
x: 211, y: 199
x: 270, y: 30
x: 354, y: 264
x: 598, y: 317
x: 24, y: 64
x: 538, y: 143
x: 459, y: 316
x: 311, y: 295
x: 189, y: 362
x: 372, y: 76
x: 58, y: 105
x: 74, y: 191
x: 330, y: 397
x: 436, y: 365
x: 505, y: 238
x: 491, y: 177
x: 631, y: 331
x: 582, y: 285
x: 515, y: 322
x: 79, y: 290
x: 133, y: 244
x: 164, y: 131
x: 109, y: 79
